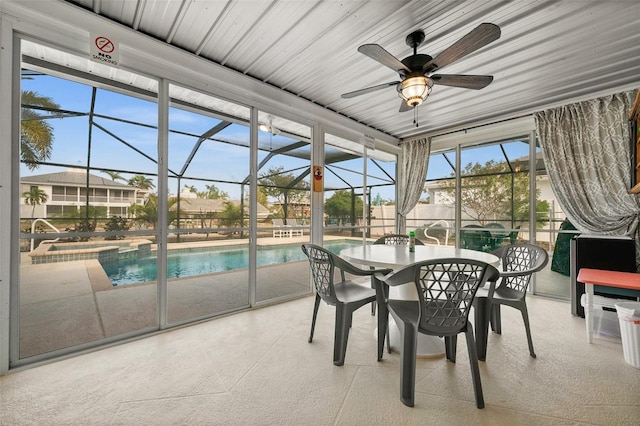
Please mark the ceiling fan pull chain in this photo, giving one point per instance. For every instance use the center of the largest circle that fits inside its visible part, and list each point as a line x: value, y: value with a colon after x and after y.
x: 415, y: 116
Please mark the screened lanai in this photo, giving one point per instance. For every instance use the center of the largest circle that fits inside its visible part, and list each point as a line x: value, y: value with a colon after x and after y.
x: 142, y: 214
x: 144, y: 218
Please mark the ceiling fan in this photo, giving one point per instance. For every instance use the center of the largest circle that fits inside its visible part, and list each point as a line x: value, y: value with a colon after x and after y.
x: 416, y: 78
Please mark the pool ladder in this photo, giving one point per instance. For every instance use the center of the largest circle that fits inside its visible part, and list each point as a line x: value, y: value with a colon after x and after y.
x: 33, y: 227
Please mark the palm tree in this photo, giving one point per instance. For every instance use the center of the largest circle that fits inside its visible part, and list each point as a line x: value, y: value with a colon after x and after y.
x: 113, y: 175
x: 231, y: 215
x: 213, y: 193
x: 34, y: 197
x: 142, y: 182
x: 148, y: 211
x: 36, y: 135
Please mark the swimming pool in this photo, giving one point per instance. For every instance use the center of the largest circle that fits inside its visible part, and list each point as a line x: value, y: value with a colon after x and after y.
x: 185, y: 263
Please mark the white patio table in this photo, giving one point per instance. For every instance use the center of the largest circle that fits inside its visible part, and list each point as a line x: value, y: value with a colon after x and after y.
x: 397, y: 256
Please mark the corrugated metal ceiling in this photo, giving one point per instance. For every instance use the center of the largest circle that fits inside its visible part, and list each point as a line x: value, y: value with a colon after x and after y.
x: 550, y: 52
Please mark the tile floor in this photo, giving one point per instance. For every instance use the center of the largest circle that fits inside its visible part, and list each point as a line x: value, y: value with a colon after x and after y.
x: 256, y: 368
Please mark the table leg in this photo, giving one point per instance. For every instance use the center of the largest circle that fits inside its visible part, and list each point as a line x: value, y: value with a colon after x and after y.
x: 588, y: 311
x: 428, y: 346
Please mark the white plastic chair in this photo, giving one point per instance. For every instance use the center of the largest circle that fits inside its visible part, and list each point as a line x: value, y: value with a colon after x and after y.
x: 280, y: 228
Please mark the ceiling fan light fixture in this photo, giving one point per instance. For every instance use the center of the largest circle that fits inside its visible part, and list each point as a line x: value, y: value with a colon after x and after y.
x: 415, y: 90
x: 268, y: 128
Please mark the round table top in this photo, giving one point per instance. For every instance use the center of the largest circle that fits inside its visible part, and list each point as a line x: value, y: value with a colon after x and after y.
x: 395, y: 256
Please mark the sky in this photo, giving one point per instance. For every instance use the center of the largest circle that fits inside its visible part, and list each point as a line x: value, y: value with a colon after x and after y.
x: 222, y: 162
x: 217, y: 161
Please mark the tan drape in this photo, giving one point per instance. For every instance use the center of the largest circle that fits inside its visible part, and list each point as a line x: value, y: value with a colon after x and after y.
x: 412, y: 173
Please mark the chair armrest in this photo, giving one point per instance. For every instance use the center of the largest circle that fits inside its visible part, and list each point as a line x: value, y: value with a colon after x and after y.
x: 347, y: 267
x: 509, y: 274
x: 383, y: 272
x: 402, y: 276
x: 530, y: 271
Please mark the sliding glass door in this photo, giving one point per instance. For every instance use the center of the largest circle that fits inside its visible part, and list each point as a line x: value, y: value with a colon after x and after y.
x: 88, y: 172
x: 499, y: 204
x: 208, y: 206
x: 283, y: 208
x: 359, y: 197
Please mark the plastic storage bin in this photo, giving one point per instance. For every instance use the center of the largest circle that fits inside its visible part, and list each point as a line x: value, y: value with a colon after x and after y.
x: 606, y: 324
x: 605, y: 320
x: 629, y: 317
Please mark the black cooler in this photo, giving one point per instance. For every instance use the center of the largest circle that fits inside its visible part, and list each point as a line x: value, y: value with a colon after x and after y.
x: 612, y: 253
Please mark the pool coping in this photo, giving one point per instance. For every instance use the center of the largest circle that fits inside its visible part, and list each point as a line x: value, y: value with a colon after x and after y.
x: 84, y: 250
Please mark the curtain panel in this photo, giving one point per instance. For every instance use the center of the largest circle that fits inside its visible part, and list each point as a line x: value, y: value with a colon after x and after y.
x: 586, y: 151
x: 412, y: 173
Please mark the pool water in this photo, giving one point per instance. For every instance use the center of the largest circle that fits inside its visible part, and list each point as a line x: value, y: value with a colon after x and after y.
x: 209, y: 260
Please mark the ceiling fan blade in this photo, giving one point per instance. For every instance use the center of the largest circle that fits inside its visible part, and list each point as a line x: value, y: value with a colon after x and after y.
x: 368, y: 89
x: 377, y: 53
x: 479, y: 37
x: 404, y: 106
x: 465, y: 81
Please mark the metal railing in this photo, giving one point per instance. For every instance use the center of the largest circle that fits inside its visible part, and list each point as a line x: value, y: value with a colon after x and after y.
x: 33, y: 227
x: 446, y: 235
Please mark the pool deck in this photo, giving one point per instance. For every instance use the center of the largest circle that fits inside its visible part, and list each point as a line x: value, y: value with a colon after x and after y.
x: 73, y: 303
